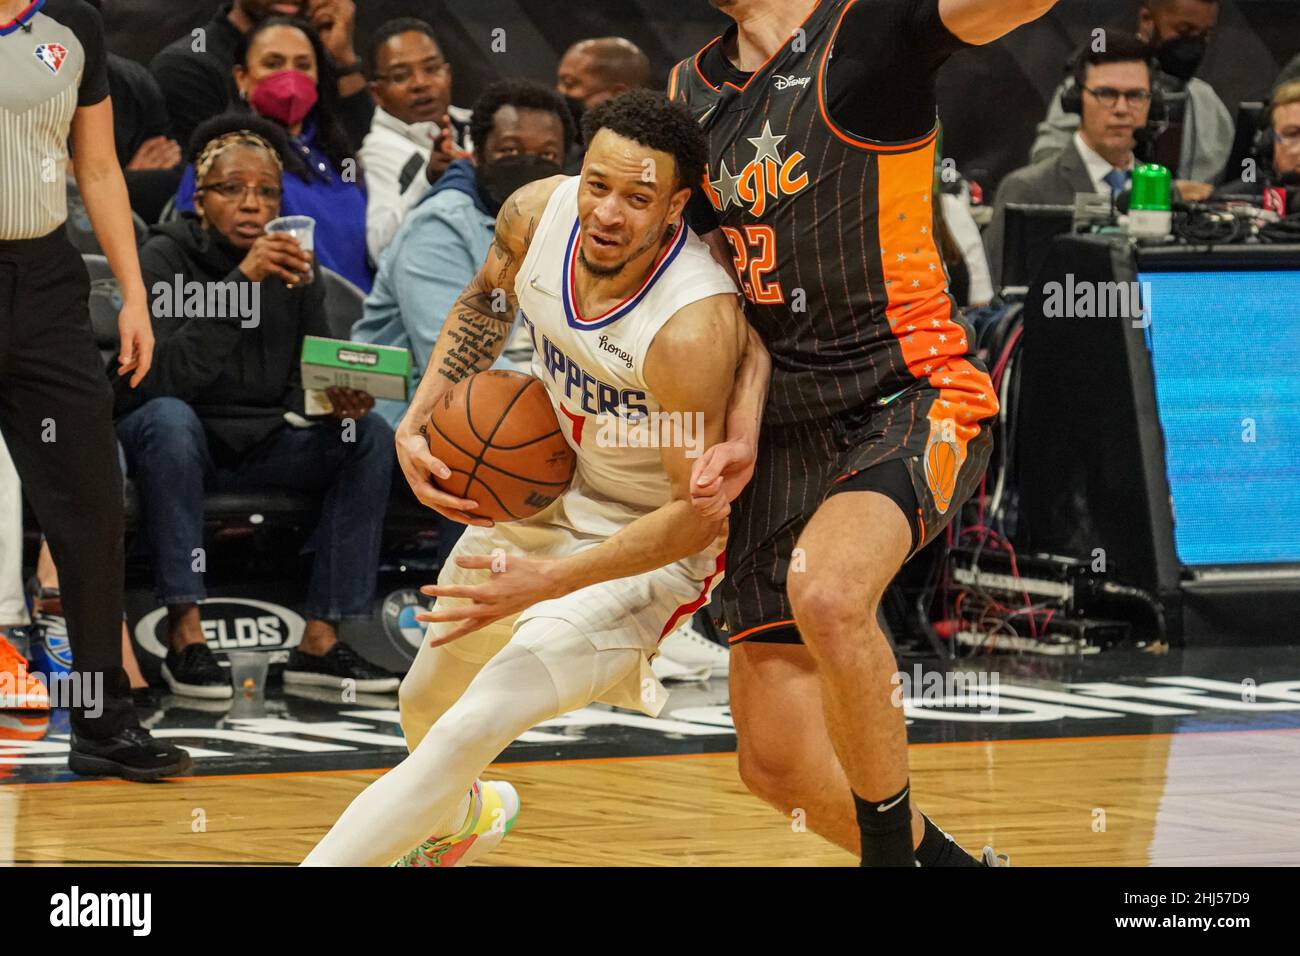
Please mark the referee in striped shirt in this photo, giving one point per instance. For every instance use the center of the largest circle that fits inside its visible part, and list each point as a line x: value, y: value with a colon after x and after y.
x: 55, y: 401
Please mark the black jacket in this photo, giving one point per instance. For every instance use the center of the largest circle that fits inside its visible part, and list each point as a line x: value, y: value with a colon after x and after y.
x: 240, y: 377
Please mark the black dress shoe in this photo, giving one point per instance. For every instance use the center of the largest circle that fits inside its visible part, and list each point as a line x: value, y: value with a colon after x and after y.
x: 132, y: 754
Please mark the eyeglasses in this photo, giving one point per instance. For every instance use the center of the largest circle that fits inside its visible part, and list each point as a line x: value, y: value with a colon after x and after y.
x: 1108, y: 96
x: 1289, y: 137
x: 403, y: 75
x: 266, y: 195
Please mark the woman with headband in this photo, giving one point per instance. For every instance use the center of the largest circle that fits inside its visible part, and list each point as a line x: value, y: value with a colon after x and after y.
x: 223, y: 409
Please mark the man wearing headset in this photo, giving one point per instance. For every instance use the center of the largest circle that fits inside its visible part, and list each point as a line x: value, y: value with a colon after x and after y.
x: 1112, y: 90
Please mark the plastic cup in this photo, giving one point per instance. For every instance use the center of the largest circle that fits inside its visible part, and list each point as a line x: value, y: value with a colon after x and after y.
x: 248, y: 670
x: 302, y: 228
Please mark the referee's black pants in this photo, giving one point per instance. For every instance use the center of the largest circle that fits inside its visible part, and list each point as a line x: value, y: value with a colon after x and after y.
x: 56, y: 417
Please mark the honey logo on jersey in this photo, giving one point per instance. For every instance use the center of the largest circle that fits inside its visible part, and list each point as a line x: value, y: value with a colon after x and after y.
x: 767, y: 176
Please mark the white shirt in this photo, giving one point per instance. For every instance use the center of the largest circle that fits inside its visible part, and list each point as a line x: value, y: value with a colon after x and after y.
x: 957, y: 214
x: 395, y: 156
x: 1098, y: 166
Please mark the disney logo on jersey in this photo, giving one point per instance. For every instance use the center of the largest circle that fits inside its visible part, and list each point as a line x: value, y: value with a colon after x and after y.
x: 768, y: 175
x: 785, y: 82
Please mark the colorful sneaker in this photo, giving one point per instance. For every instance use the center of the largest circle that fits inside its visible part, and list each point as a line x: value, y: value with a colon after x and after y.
x: 19, y: 689
x: 494, y: 807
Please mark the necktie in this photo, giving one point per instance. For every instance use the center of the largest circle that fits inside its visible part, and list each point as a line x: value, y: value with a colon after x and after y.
x: 1117, y: 180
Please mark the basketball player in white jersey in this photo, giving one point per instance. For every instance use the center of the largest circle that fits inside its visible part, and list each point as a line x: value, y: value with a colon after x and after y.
x: 631, y: 317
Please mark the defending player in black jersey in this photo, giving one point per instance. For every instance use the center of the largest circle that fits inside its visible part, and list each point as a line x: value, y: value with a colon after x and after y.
x: 822, y: 124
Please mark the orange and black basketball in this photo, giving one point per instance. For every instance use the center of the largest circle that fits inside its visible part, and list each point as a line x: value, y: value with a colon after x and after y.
x: 498, y: 434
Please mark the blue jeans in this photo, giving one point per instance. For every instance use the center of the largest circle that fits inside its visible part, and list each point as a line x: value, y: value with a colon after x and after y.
x: 168, y: 458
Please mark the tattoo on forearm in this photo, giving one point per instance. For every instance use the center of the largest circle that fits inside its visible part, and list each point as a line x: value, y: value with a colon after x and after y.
x: 476, y: 338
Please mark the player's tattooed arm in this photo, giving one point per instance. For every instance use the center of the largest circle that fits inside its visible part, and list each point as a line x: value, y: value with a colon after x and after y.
x: 476, y: 330
x: 983, y: 21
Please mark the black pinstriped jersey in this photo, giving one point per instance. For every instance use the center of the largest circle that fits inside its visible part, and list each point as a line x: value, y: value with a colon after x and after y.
x: 833, y: 231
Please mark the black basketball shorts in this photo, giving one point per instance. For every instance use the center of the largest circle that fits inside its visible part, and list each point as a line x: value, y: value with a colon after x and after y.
x: 905, y: 450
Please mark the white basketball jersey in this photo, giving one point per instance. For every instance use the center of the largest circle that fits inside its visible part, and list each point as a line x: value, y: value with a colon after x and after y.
x: 592, y: 365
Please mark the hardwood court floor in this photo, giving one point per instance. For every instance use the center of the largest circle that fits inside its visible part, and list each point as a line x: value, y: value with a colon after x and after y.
x: 1193, y: 798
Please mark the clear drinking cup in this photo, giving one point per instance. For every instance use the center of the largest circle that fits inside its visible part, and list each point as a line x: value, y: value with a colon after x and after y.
x: 302, y: 228
x: 248, y: 670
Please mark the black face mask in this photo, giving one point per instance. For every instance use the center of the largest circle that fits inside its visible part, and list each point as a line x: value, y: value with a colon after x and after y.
x: 496, y: 181
x: 577, y: 107
x: 1180, y: 57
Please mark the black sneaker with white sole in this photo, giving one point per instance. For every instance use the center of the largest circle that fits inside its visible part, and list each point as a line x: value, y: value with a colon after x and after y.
x: 193, y: 671
x: 132, y: 754
x: 336, y: 665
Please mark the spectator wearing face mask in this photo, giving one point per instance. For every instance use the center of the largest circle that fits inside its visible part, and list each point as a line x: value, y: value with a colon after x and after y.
x: 593, y: 71
x: 1177, y: 32
x: 416, y: 133
x: 521, y: 130
x: 195, y: 71
x: 283, y: 73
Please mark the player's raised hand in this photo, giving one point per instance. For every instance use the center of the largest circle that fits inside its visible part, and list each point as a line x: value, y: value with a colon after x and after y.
x: 516, y: 583
x: 420, y: 467
x: 719, y: 475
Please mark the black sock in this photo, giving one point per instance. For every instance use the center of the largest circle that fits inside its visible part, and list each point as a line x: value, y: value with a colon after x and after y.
x: 886, y: 829
x: 939, y: 849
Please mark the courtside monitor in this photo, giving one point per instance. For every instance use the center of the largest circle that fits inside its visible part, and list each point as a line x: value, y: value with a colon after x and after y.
x: 1221, y: 333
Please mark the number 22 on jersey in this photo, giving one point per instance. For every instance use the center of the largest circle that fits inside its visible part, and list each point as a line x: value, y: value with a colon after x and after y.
x: 754, y: 248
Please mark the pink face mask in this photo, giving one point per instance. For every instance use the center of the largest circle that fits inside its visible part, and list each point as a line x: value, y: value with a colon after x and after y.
x: 285, y: 97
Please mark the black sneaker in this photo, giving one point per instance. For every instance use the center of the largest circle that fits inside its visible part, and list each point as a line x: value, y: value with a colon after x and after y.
x: 337, y: 664
x: 194, y: 671
x: 132, y: 754
x: 144, y: 697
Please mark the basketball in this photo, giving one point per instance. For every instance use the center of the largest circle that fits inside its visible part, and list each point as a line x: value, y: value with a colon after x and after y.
x: 498, y: 434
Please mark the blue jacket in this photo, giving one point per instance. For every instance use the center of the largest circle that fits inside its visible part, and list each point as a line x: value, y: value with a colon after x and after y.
x: 441, y: 244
